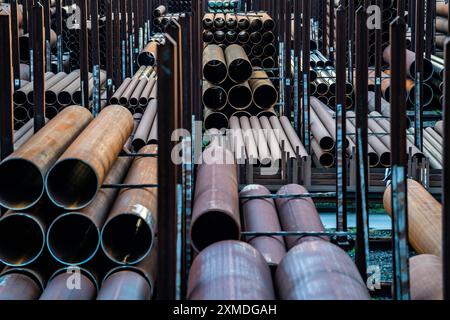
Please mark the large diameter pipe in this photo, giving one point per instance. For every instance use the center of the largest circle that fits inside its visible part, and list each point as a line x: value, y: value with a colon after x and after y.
x: 129, y: 232
x: 74, y: 237
x: 214, y: 119
x: 214, y: 97
x: 260, y: 215
x: 428, y: 69
x: 19, y: 286
x: 215, y: 215
x: 22, y: 174
x: 265, y: 94
x: 135, y: 282
x: 238, y: 64
x: 326, y: 159
x: 148, y: 55
x: 73, y: 182
x: 240, y: 96
x: 298, y: 214
x: 214, y: 64
x: 143, y: 130
x: 230, y: 270
x: 319, y: 270
x: 424, y: 218
x: 321, y: 134
x: 426, y: 277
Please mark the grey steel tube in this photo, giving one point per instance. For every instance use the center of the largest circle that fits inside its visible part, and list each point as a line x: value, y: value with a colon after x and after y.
x: 20, y: 113
x: 238, y: 64
x: 22, y: 174
x: 134, y: 100
x: 214, y: 97
x: 240, y: 96
x: 326, y: 159
x: 215, y: 216
x: 260, y: 215
x: 237, y: 143
x: 289, y: 131
x: 20, y: 96
x: 57, y: 288
x: 128, y: 145
x: 283, y: 139
x: 18, y: 285
x: 321, y: 134
x: 428, y: 69
x: 126, y: 95
x: 22, y: 131
x: 77, y: 95
x: 74, y: 237
x: 74, y: 180
x: 374, y: 159
x: 249, y: 140
x: 271, y: 138
x: 214, y: 119
x: 65, y: 96
x: 263, y: 149
x: 153, y: 136
x: 319, y: 270
x: 265, y: 94
x: 146, y: 93
x: 214, y: 64
x: 128, y: 235
x: 426, y: 277
x: 230, y: 270
x: 115, y: 98
x: 439, y: 127
x: 134, y: 283
x: 298, y: 215
x: 51, y: 94
x: 145, y: 125
x: 48, y: 84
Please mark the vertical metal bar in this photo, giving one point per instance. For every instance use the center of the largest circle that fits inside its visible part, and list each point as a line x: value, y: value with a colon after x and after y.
x: 306, y: 38
x: 25, y: 23
x: 401, y: 7
x: 6, y: 77
x: 95, y: 42
x: 15, y: 44
x: 324, y: 26
x: 119, y: 74
x: 331, y: 30
x: 167, y: 200
x: 130, y: 49
x: 378, y: 62
x: 362, y: 172
x: 418, y: 88
x: 38, y: 66
x: 59, y: 35
x: 412, y: 14
x: 446, y: 176
x: 47, y: 27
x: 351, y: 39
x: 84, y: 54
x: 110, y: 49
x: 430, y: 23
x: 341, y: 134
x: 287, y: 53
x: 124, y: 38
x: 30, y: 4
x: 297, y: 59
x: 399, y: 161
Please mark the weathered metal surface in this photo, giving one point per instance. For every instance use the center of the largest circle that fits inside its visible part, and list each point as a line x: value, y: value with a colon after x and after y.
x: 426, y: 277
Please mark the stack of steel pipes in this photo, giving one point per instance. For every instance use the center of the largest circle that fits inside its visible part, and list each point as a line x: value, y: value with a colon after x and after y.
x: 135, y: 93
x: 223, y: 5
x: 161, y: 22
x: 176, y: 6
x: 61, y: 90
x: 437, y: 83
x: 262, y: 141
x: 441, y: 27
x: 253, y: 31
x: 232, y: 87
x: 64, y: 212
x: 148, y: 56
x: 313, y: 268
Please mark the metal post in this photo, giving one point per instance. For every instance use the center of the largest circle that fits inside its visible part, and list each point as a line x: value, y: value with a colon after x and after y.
x: 446, y: 176
x: 331, y: 31
x: 15, y: 44
x: 430, y: 30
x: 399, y: 162
x: 118, y: 74
x: 6, y: 76
x: 341, y: 125
x: 287, y: 53
x: 59, y: 32
x: 401, y: 7
x: 362, y: 172
x: 29, y: 4
x: 124, y: 38
x: 38, y: 66
x: 324, y: 27
x: 418, y: 88
x: 47, y: 28
x: 95, y: 41
x: 297, y: 59
x: 110, y: 49
x: 378, y: 62
x: 306, y: 38
x: 84, y: 54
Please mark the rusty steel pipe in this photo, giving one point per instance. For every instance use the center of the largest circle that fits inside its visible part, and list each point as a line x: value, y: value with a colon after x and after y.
x: 48, y: 84
x: 149, y: 55
x: 214, y: 119
x: 134, y: 99
x: 20, y: 96
x: 215, y: 216
x: 135, y: 282
x: 208, y: 36
x: 74, y: 237
x: 260, y: 215
x: 22, y: 174
x: 214, y: 97
x: 214, y: 64
x: 77, y: 95
x: 424, y: 218
x: 128, y: 235
x: 208, y: 21
x: 219, y: 36
x: 65, y: 97
x: 374, y: 159
x: 441, y: 9
x: 265, y: 94
x: 230, y: 270
x: 219, y: 21
x: 240, y: 96
x: 115, y: 98
x: 153, y: 136
x: 238, y: 64
x: 320, y: 133
x: 74, y: 180
x: 298, y: 215
x: 146, y: 93
x: 319, y: 270
x: 145, y: 126
x: 243, y: 37
x: 428, y: 69
x: 243, y: 22
x: 426, y: 277
x: 18, y: 285
x: 52, y: 92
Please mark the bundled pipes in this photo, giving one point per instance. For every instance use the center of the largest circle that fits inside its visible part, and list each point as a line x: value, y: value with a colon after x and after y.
x: 233, y: 87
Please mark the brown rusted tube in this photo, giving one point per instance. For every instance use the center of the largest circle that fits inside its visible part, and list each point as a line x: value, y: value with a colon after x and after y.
x: 208, y: 36
x: 249, y: 141
x: 219, y: 36
x: 319, y: 270
x: 214, y: 97
x: 58, y: 289
x: 214, y: 64
x: 230, y: 270
x: 265, y: 95
x: 374, y: 159
x: 129, y: 232
x: 256, y: 23
x: 153, y: 136
x: 48, y: 84
x: 238, y: 64
x: 128, y: 145
x: 159, y: 11
x: 115, y: 98
x: 243, y: 37
x: 326, y: 159
x: 240, y: 96
x: 219, y: 21
x: 442, y: 9
x: 17, y: 286
x: 263, y: 149
x: 74, y: 180
x: 52, y: 92
x: 77, y: 95
x: 146, y: 93
x: 65, y: 97
x: 20, y: 96
x: 296, y: 144
x: 442, y: 25
x: 134, y: 100
x: 145, y: 126
x: 426, y: 277
x: 22, y: 174
x: 74, y: 237
x: 148, y: 55
x: 428, y: 69
x: 282, y: 138
x: 298, y: 214
x: 216, y: 120
x: 424, y: 218
x: 268, y: 23
x: 320, y: 133
x: 215, y: 215
x: 131, y: 282
x: 260, y: 215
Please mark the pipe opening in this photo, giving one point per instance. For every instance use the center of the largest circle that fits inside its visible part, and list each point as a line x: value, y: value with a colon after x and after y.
x: 240, y: 70
x: 268, y: 63
x: 19, y: 97
x: 327, y: 160
x: 215, y: 98
x: 265, y: 96
x: 327, y: 143
x: 64, y: 98
x: 385, y: 159
x: 428, y: 70
x: 22, y: 184
x: 20, y: 113
x: 240, y: 96
x: 73, y: 239
x: 72, y: 184
x: 212, y: 227
x: 127, y: 238
x: 373, y: 160
x: 146, y: 59
x: 215, y: 71
x: 269, y: 50
x: 51, y: 97
x: 22, y: 240
x: 216, y: 120
x: 322, y: 89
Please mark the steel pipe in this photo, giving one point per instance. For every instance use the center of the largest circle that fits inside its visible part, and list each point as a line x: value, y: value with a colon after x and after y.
x: 214, y: 64
x: 214, y: 97
x: 238, y: 64
x: 426, y: 277
x: 265, y: 95
x: 214, y: 119
x: 240, y: 96
x: 428, y: 69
